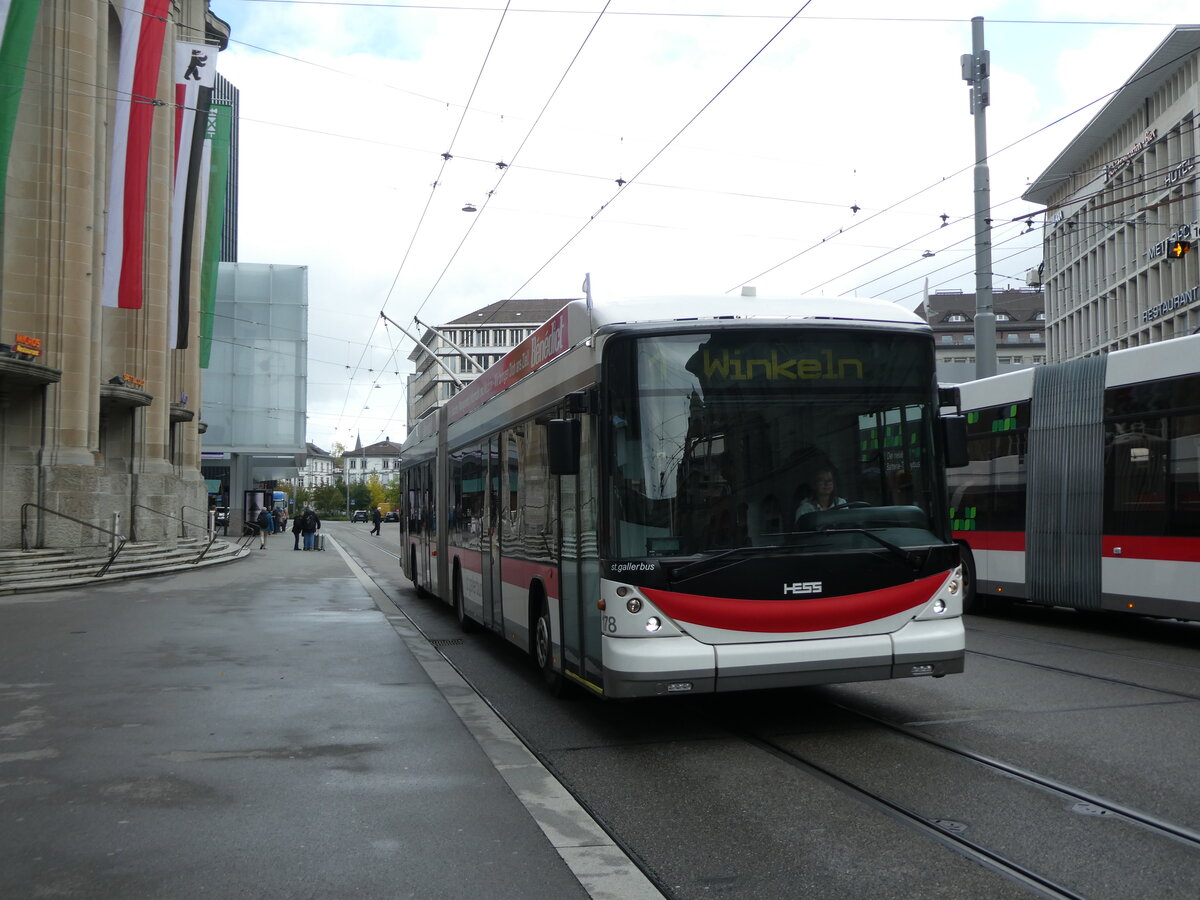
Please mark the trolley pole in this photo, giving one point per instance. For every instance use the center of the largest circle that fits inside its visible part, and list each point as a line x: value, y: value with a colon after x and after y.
x: 975, y: 70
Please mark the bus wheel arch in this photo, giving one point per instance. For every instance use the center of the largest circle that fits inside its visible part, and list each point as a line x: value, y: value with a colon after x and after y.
x: 972, y: 601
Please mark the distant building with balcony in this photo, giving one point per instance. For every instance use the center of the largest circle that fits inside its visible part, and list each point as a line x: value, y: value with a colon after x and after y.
x: 482, y: 337
x: 1020, y: 331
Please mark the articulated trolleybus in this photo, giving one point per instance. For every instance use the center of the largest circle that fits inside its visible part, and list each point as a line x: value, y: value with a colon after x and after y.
x: 1083, y: 487
x: 624, y: 497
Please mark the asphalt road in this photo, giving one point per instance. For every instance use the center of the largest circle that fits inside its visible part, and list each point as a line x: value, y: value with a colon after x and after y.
x: 1061, y: 763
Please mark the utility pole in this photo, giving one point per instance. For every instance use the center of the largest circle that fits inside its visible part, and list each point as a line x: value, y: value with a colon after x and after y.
x: 975, y: 71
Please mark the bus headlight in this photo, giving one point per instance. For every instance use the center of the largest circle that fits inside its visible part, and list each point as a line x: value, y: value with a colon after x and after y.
x: 633, y: 604
x: 952, y: 587
x: 653, y: 624
x: 939, y: 606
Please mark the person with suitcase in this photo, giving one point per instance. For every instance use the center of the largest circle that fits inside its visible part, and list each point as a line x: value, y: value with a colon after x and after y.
x: 311, y: 525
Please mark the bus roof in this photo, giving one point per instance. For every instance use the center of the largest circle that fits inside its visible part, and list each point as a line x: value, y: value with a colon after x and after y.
x: 691, y: 307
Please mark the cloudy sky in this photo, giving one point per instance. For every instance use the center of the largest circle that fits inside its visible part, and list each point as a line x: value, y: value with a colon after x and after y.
x: 663, y: 146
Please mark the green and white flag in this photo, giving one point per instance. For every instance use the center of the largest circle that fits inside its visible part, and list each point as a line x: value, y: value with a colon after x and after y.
x: 216, y: 151
x: 17, y: 18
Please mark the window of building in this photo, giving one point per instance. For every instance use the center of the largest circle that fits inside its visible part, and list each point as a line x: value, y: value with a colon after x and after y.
x: 1003, y: 317
x: 1012, y: 337
x: 968, y: 338
x: 1040, y: 317
x: 956, y: 317
x: 947, y: 339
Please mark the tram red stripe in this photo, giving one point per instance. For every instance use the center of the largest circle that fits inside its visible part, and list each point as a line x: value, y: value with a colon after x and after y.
x: 1178, y: 549
x: 791, y: 616
x: 993, y: 540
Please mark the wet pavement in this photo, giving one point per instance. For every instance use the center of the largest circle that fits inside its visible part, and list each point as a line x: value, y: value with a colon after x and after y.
x: 274, y: 727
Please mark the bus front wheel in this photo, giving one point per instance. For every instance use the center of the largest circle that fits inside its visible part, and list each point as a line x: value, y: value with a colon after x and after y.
x: 544, y: 652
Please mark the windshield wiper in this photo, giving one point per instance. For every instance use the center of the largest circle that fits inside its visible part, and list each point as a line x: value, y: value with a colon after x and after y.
x: 908, y: 557
x: 719, y: 555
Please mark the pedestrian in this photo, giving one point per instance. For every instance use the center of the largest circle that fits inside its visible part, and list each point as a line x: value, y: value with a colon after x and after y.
x: 297, y: 529
x: 376, y: 518
x: 263, y: 521
x: 311, y: 526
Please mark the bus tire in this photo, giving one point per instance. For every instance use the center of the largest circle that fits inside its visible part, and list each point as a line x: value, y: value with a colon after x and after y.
x: 973, y: 602
x: 543, y: 650
x: 465, y: 622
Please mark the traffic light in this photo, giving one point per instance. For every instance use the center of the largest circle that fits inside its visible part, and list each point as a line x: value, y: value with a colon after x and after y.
x: 1178, y: 249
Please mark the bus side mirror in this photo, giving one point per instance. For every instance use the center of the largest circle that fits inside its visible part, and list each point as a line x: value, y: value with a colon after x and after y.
x: 954, y: 433
x: 562, y: 445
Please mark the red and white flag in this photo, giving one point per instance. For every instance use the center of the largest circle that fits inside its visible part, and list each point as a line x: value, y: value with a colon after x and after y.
x: 195, y: 75
x: 143, y: 26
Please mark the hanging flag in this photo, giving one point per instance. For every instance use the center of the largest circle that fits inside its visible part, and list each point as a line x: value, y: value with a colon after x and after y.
x: 217, y: 151
x: 17, y: 18
x: 143, y: 26
x: 195, y: 74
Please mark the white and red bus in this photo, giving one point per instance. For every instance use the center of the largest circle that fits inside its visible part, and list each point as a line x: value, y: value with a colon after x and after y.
x: 1083, y: 487
x: 623, y: 496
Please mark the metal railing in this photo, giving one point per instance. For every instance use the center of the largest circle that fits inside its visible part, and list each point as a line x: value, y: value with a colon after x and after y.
x: 212, y: 533
x: 119, y: 538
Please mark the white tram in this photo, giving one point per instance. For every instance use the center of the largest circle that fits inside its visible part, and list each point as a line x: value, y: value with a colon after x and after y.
x: 1083, y: 488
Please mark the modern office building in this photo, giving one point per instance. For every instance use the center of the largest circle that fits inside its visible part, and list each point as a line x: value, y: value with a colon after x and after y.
x: 256, y: 384
x: 466, y: 346
x: 1117, y: 198
x: 1020, y: 330
x: 99, y: 316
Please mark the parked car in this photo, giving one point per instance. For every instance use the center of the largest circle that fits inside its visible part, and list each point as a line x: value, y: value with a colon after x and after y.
x: 391, y: 516
x: 359, y: 515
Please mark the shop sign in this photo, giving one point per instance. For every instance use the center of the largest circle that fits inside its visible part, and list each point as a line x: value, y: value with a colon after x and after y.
x: 28, y: 346
x: 1182, y: 233
x: 1167, y: 307
x: 1113, y: 167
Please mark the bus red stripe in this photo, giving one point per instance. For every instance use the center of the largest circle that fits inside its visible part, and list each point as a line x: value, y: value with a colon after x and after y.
x: 993, y: 540
x: 791, y: 616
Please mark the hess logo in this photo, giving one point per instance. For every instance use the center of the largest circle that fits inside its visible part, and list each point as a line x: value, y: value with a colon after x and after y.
x: 802, y: 587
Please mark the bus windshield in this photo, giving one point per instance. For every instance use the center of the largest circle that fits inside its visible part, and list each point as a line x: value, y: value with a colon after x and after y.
x: 805, y: 437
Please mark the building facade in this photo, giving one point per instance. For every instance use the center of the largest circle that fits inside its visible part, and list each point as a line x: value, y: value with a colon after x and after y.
x: 1020, y: 330
x: 99, y: 400
x: 317, y: 470
x: 381, y: 459
x: 468, y: 345
x: 1120, y: 194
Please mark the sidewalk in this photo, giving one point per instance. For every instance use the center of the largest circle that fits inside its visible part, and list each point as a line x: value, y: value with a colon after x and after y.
x: 269, y: 728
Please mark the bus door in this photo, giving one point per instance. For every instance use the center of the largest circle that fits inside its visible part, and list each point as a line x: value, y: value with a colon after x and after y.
x: 493, y: 616
x: 580, y: 565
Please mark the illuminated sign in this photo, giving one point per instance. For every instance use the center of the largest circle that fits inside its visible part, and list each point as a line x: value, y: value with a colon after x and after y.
x: 27, y: 345
x: 134, y: 380
x: 1181, y: 235
x: 733, y: 367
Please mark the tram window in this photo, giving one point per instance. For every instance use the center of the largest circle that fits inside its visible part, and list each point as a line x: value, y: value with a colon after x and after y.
x: 1184, y: 473
x: 1136, y: 456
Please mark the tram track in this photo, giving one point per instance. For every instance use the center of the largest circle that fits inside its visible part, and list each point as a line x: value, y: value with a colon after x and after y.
x: 954, y: 834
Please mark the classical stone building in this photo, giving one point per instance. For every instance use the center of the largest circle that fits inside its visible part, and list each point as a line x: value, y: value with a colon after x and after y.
x: 104, y: 421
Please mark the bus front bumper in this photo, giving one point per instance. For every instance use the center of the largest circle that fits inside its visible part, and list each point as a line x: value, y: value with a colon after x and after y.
x: 652, y: 667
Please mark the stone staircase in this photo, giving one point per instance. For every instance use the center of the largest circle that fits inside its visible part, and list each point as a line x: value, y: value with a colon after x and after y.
x: 27, y: 571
